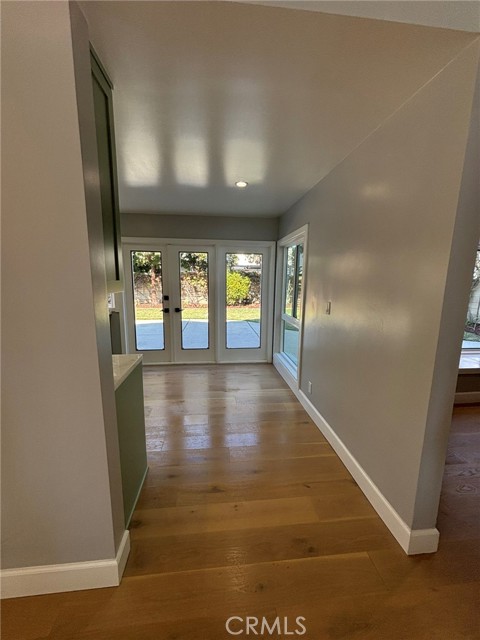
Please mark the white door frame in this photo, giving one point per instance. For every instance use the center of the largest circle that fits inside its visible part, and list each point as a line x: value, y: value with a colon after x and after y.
x: 172, y: 352
x: 217, y: 352
x: 150, y: 356
x: 264, y: 352
x: 180, y: 355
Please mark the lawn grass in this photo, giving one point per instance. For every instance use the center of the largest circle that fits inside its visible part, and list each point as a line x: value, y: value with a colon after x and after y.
x: 471, y: 337
x: 243, y: 313
x: 233, y: 313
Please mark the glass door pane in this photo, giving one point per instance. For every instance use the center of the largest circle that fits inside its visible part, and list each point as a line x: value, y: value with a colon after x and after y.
x: 148, y: 300
x: 243, y: 300
x: 194, y: 300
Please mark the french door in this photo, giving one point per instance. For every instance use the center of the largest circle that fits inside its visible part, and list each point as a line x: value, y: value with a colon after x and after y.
x: 170, y: 302
x: 244, y: 308
x: 202, y: 302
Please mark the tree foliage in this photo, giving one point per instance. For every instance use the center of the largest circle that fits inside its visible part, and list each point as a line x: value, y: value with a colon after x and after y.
x: 476, y: 271
x: 147, y: 276
x: 243, y: 283
x: 238, y: 288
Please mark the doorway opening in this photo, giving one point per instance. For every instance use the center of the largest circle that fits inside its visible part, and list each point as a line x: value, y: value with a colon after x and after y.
x: 199, y: 301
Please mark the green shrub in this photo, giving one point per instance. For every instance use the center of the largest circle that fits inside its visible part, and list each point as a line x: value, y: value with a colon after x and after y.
x: 238, y: 288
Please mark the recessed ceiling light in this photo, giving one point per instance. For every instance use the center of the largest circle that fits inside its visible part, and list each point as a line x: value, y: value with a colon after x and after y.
x: 241, y: 184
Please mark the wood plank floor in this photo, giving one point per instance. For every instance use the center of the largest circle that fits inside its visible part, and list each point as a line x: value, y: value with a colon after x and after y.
x: 247, y: 511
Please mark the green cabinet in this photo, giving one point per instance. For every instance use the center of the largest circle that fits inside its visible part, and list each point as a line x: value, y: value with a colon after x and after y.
x: 131, y: 435
x: 102, y: 98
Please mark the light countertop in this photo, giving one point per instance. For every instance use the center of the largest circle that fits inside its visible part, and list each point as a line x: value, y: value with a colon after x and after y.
x: 123, y: 365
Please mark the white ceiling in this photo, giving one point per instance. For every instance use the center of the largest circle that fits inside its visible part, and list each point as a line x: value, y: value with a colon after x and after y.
x: 207, y: 93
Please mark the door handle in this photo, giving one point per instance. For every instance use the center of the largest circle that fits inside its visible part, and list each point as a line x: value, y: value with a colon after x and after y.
x: 177, y: 309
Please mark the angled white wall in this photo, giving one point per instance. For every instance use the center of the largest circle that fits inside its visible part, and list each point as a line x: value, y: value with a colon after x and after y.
x: 389, y: 246
x: 457, y: 289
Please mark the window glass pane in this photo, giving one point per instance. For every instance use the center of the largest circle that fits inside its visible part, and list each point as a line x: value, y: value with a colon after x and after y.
x: 471, y: 335
x: 194, y: 299
x: 290, y: 342
x: 289, y: 280
x: 243, y: 300
x: 148, y: 300
x: 299, y: 282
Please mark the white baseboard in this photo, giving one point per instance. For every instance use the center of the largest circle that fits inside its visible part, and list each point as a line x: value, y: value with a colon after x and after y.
x: 122, y: 554
x: 74, y: 576
x: 412, y: 541
x: 467, y: 397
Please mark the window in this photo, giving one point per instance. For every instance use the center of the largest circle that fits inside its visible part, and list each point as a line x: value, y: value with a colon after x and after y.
x: 471, y: 334
x: 292, y: 308
x: 293, y: 255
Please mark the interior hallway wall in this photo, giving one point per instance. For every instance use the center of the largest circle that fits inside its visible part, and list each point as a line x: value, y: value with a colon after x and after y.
x: 198, y: 226
x: 457, y: 289
x: 381, y: 247
x: 88, y: 141
x: 57, y: 498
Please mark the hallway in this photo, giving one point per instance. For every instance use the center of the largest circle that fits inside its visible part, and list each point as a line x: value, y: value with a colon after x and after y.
x: 248, y: 511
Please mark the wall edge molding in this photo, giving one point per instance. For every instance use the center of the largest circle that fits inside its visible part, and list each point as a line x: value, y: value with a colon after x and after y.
x: 73, y: 576
x: 412, y: 541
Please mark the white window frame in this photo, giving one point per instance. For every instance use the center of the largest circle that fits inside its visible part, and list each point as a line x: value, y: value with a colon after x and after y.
x: 471, y: 351
x: 281, y: 361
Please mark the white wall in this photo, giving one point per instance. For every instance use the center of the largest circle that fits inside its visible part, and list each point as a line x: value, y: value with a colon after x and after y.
x: 385, y: 248
x: 196, y: 226
x: 58, y: 502
x: 86, y: 115
x: 457, y: 288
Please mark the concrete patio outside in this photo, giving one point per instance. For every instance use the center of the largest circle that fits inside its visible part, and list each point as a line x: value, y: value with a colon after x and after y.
x: 241, y: 334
